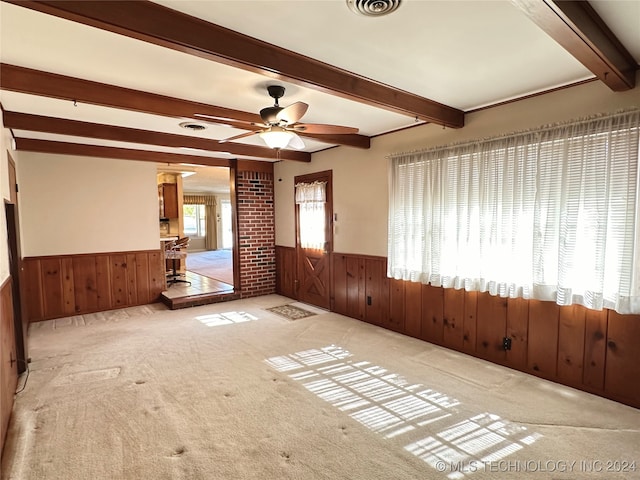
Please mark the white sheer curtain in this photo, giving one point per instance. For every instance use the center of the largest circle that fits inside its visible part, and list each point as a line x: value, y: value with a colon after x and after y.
x: 549, y: 214
x: 311, y: 199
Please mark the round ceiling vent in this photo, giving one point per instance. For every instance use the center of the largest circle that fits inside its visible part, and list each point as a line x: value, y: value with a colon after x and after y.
x: 192, y: 126
x: 373, y: 8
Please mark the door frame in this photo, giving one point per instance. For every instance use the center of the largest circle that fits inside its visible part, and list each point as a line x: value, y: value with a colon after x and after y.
x: 12, y: 217
x: 323, y: 176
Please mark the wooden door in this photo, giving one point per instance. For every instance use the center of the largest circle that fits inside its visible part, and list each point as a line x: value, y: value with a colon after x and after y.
x: 313, y: 264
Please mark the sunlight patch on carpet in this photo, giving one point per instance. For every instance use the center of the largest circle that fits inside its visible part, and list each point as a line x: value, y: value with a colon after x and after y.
x: 88, y: 376
x: 388, y: 404
x: 226, y: 318
x: 291, y: 312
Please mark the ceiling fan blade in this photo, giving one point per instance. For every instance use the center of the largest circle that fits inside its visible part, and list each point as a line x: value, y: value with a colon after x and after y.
x: 242, y: 135
x: 229, y: 122
x: 322, y: 128
x: 296, y: 142
x: 292, y: 113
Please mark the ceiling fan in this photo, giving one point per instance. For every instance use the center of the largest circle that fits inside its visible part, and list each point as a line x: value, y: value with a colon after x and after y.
x: 280, y: 127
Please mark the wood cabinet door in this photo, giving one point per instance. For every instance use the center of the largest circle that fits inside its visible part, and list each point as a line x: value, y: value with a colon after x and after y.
x: 168, y: 200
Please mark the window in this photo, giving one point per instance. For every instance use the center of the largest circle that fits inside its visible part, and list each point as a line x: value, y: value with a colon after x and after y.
x: 194, y: 220
x: 548, y: 214
x: 311, y: 199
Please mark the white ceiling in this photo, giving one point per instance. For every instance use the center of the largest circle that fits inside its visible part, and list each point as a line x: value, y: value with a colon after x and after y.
x: 464, y: 54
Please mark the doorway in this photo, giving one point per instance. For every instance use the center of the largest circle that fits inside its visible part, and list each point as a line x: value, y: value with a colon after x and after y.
x: 206, y: 199
x: 226, y: 224
x: 21, y: 324
x: 314, y: 237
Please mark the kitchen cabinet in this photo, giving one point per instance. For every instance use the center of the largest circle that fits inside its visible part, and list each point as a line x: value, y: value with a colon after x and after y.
x: 168, y: 200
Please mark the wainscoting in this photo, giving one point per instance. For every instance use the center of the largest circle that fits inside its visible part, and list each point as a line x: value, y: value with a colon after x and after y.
x: 594, y: 351
x: 8, y: 365
x: 63, y: 285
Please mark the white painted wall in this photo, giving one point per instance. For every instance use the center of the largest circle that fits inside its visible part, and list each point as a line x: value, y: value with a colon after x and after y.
x: 360, y: 190
x: 71, y: 205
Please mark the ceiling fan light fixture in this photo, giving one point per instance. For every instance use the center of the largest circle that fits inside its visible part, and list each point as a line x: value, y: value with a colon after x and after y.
x: 276, y: 137
x: 373, y: 8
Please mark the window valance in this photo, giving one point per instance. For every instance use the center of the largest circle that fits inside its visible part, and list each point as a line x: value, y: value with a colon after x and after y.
x: 189, y: 199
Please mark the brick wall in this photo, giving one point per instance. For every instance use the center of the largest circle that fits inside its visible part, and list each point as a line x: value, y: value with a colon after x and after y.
x: 256, y: 231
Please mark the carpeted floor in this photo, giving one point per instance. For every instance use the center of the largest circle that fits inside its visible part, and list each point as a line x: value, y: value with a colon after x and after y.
x: 216, y: 264
x: 234, y: 391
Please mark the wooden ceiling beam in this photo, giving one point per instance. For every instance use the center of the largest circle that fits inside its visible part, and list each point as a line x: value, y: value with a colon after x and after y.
x: 162, y: 26
x: 581, y: 31
x: 66, y: 148
x: 348, y: 139
x: 53, y: 85
x: 62, y: 126
x: 37, y: 82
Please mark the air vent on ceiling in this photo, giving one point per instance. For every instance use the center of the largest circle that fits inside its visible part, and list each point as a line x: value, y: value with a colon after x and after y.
x: 373, y: 8
x: 193, y: 126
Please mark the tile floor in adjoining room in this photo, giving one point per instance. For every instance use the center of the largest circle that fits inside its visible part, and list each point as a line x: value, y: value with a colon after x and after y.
x: 199, y: 285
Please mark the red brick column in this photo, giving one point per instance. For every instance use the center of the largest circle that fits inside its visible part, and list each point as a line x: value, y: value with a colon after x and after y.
x: 256, y: 231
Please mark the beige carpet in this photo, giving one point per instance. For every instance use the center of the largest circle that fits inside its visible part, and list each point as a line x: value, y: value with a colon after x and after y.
x: 216, y: 264
x: 233, y: 391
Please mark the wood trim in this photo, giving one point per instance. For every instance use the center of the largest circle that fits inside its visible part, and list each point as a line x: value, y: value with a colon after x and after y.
x: 593, y: 351
x: 75, y: 284
x: 162, y: 26
x: 579, y: 29
x: 63, y: 126
x: 348, y: 140
x: 233, y: 198
x: 36, y: 82
x: 81, y: 255
x: 530, y: 95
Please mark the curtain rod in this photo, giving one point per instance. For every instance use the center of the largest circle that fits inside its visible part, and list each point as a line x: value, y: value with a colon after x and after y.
x: 541, y: 129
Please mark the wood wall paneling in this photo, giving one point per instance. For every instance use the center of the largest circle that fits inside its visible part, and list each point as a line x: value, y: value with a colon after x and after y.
x: 68, y: 289
x: 432, y: 314
x: 157, y: 279
x: 469, y: 325
x: 103, y: 282
x: 339, y: 283
x: 376, y: 290
x: 571, y: 342
x: 52, y: 287
x: 592, y: 350
x: 33, y: 291
x: 413, y: 309
x: 355, y: 287
x: 58, y: 286
x: 517, y: 331
x: 119, y: 285
x: 595, y: 336
x: 85, y: 282
x: 286, y: 271
x: 8, y: 369
x: 622, y: 373
x: 542, y: 354
x: 453, y: 318
x: 396, y: 318
x: 491, y: 327
x: 143, y: 278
